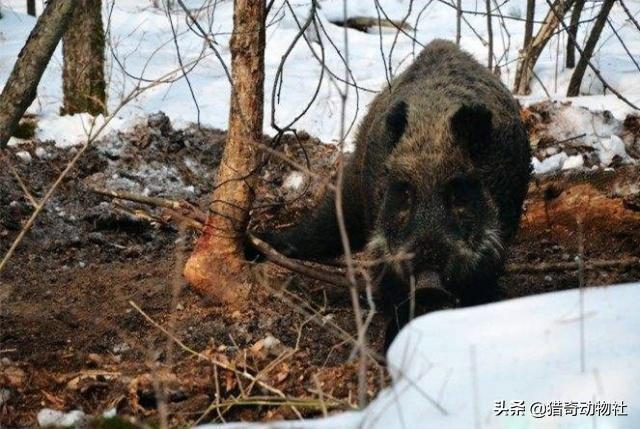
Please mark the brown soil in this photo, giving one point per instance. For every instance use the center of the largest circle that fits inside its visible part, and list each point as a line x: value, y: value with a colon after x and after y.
x: 72, y: 338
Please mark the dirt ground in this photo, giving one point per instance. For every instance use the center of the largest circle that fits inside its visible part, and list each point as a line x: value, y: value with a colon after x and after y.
x: 92, y: 300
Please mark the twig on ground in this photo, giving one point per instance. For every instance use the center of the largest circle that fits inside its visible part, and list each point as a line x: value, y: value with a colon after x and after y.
x: 579, y: 136
x: 279, y: 259
x: 136, y: 213
x: 178, y: 206
x: 310, y: 403
x: 594, y: 264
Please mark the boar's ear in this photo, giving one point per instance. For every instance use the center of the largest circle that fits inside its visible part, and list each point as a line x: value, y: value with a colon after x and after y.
x: 396, y: 121
x: 471, y: 126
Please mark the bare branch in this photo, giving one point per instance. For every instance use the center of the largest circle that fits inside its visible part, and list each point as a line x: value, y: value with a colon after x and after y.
x: 594, y: 264
x: 290, y: 264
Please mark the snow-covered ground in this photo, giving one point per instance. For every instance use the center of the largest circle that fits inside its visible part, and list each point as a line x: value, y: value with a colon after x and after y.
x: 535, y: 362
x: 570, y: 137
x: 140, y: 36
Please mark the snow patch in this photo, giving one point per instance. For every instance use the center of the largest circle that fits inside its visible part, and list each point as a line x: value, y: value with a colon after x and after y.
x: 41, y: 152
x: 110, y: 413
x: 24, y: 156
x: 294, y: 180
x: 610, y: 148
x: 156, y: 179
x: 534, y: 357
x: 548, y: 165
x: 14, y: 141
x: 576, y: 161
x: 48, y: 417
x: 5, y: 395
x: 73, y: 130
x: 566, y: 136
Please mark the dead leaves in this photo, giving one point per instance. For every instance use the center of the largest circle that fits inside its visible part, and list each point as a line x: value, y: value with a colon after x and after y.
x: 12, y: 376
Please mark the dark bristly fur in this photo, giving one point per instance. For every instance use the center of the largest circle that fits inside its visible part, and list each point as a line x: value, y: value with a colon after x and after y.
x: 440, y: 172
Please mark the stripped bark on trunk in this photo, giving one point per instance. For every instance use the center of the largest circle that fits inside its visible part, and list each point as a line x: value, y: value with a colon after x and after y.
x: 216, y: 268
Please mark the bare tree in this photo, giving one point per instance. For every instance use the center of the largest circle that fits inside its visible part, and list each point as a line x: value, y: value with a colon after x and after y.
x: 83, y: 47
x: 531, y: 52
x: 159, y: 3
x: 458, y: 21
x: 216, y: 267
x: 573, y: 33
x: 20, y: 89
x: 489, y: 35
x: 593, y: 68
x: 528, y: 24
x: 31, y: 7
x: 586, y: 54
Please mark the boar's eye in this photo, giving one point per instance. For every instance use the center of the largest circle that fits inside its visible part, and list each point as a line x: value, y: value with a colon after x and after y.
x: 463, y: 197
x: 461, y: 190
x: 401, y: 200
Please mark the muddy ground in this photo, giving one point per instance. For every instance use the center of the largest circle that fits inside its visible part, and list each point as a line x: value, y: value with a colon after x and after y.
x: 71, y: 334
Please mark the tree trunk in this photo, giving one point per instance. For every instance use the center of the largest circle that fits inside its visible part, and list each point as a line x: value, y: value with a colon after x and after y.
x: 528, y: 24
x: 20, y: 89
x: 489, y: 35
x: 216, y: 267
x: 530, y: 54
x: 31, y: 7
x: 83, y: 49
x: 458, y: 21
x: 573, y: 33
x: 587, y: 52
